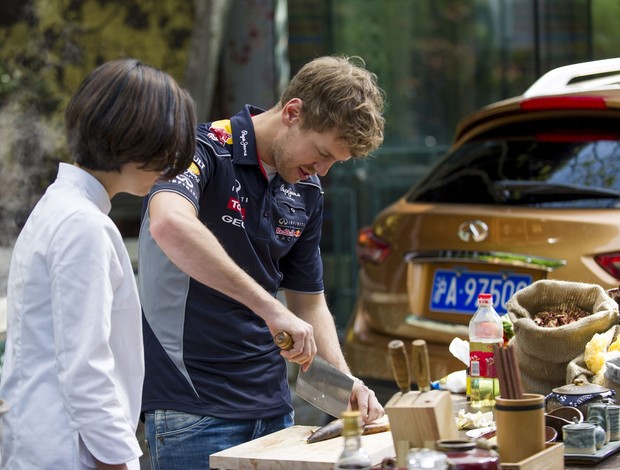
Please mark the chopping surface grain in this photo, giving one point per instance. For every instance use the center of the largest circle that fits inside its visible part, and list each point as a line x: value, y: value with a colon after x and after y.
x: 288, y: 450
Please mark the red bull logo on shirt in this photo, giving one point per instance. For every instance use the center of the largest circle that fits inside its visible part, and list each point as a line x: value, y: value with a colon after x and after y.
x: 221, y: 131
x: 287, y: 232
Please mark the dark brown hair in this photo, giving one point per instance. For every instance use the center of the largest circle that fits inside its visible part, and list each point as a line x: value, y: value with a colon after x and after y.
x: 126, y: 111
x: 338, y: 93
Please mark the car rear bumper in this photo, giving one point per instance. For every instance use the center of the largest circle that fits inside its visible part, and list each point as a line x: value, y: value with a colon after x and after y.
x: 367, y: 353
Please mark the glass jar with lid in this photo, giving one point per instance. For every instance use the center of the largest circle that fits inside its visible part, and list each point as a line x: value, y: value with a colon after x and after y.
x: 466, y: 455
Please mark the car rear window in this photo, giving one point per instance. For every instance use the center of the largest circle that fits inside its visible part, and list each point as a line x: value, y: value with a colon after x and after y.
x: 563, y: 163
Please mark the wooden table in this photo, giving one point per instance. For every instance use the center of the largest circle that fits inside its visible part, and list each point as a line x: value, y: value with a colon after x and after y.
x: 287, y: 450
x: 611, y: 462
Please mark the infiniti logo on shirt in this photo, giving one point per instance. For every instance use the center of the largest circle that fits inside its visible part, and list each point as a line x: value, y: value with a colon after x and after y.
x: 290, y: 223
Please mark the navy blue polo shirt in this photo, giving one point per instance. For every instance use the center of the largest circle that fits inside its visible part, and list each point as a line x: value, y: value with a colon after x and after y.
x: 206, y: 353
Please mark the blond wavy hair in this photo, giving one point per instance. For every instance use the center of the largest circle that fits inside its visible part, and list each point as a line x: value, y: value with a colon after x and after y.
x: 339, y: 93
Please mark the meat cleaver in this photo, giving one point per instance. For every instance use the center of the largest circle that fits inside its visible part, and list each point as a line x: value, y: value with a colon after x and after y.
x: 400, y: 365
x: 322, y: 385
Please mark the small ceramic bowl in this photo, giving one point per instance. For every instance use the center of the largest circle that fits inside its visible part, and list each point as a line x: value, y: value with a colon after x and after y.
x: 557, y: 424
x: 569, y: 413
x: 561, y: 417
x: 551, y: 435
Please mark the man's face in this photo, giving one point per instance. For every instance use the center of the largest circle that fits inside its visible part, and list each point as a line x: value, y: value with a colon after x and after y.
x: 299, y: 153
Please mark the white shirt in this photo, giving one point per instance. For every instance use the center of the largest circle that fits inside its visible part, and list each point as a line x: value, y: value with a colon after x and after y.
x: 74, y: 364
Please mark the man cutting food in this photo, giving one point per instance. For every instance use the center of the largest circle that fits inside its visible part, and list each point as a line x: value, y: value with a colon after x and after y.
x: 216, y: 245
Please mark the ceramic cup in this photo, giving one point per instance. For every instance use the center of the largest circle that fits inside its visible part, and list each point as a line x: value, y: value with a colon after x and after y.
x: 520, y: 426
x: 598, y: 412
x: 614, y: 422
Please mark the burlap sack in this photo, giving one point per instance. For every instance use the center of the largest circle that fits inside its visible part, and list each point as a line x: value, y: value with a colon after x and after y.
x: 543, y: 353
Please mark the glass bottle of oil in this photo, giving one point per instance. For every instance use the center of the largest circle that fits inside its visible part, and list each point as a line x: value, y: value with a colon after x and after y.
x: 353, y: 456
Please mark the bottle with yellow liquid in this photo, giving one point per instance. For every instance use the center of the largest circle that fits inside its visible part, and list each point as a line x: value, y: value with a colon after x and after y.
x: 353, y: 456
x: 485, y: 331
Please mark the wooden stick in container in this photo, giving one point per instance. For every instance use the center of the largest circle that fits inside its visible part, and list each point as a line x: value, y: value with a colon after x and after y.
x: 501, y: 370
x: 514, y: 363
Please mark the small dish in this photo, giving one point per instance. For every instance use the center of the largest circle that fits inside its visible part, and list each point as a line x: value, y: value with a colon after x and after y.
x: 480, y: 432
x: 551, y: 434
x: 556, y: 423
x: 568, y: 413
x: 562, y: 416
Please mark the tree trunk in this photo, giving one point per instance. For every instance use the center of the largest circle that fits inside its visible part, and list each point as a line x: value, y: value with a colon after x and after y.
x: 208, y: 36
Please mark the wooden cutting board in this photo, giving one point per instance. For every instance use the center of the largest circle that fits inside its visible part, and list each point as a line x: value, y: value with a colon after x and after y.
x: 288, y: 450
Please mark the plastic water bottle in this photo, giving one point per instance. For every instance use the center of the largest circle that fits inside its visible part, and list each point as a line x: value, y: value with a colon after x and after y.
x: 485, y: 331
x: 353, y: 455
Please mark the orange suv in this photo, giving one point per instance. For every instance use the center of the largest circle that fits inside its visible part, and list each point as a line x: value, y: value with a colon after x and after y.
x: 529, y: 190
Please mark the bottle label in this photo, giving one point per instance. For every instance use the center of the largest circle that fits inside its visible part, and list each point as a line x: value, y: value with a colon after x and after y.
x: 482, y: 360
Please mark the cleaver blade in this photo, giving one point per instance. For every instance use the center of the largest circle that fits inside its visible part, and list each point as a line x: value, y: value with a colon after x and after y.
x: 322, y: 385
x: 325, y: 387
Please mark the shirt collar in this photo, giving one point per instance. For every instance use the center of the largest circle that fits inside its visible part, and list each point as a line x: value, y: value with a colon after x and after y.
x: 93, y: 189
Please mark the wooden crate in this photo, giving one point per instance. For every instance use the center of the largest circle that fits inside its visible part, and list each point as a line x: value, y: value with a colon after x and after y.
x: 552, y: 458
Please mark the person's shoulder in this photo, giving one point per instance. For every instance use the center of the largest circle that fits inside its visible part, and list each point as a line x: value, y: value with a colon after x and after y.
x: 75, y: 204
x: 216, y: 135
x: 89, y: 217
x: 84, y: 226
x: 314, y: 182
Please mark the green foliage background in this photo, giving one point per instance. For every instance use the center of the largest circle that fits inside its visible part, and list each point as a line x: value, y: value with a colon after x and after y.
x: 48, y: 47
x: 53, y: 45
x: 437, y: 60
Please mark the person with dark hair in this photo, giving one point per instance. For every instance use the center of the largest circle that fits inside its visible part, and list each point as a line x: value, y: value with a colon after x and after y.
x: 74, y: 365
x: 219, y: 241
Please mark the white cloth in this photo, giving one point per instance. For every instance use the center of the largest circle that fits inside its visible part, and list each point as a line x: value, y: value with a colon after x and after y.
x: 74, y: 364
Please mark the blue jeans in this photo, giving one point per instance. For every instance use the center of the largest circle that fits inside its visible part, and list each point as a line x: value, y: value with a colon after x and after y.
x: 184, y: 441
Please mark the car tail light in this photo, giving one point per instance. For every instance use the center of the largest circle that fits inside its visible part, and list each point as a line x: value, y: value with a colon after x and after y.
x: 610, y: 262
x: 563, y: 102
x: 370, y: 248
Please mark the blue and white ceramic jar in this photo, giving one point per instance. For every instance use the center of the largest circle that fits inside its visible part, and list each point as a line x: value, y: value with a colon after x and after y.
x: 579, y: 438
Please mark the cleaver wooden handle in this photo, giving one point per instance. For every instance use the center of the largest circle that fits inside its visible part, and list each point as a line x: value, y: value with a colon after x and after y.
x: 283, y: 340
x: 400, y: 365
x: 420, y: 365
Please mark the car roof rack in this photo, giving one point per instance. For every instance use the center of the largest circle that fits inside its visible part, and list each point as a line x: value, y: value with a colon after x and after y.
x: 577, y: 77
